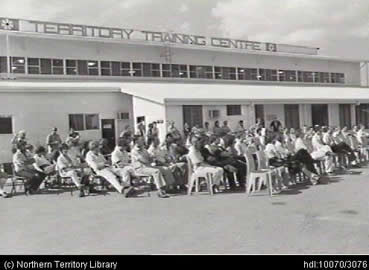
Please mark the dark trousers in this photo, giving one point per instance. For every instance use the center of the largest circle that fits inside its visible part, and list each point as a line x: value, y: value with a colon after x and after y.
x: 33, y: 178
x: 305, y: 158
x: 344, y: 148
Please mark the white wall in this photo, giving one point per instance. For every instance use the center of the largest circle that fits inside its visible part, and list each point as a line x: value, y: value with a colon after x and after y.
x: 175, y: 113
x: 273, y: 110
x: 97, y: 50
x: 37, y: 113
x: 152, y: 112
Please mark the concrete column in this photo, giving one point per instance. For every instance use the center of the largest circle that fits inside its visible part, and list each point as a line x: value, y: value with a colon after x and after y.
x: 333, y: 115
x: 353, y: 115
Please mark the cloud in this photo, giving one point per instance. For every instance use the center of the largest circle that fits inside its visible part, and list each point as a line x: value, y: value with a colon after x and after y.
x: 183, y: 8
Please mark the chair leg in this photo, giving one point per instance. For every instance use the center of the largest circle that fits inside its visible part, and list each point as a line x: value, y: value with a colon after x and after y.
x: 190, y: 186
x: 270, y: 185
x: 209, y: 180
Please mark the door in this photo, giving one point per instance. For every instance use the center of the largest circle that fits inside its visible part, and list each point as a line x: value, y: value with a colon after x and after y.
x: 192, y: 115
x: 345, y: 115
x: 319, y: 114
x: 108, y: 131
x: 259, y: 112
x: 292, y: 116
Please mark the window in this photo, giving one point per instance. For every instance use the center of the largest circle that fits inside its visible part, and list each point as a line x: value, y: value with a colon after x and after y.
x: 151, y: 70
x: 39, y: 66
x: 337, y: 78
x: 362, y: 115
x: 17, y: 65
x: 92, y: 121
x: 82, y: 67
x: 321, y: 77
x: 287, y: 75
x: 71, y: 66
x: 58, y: 66
x: 201, y: 72
x: 137, y: 69
x: 267, y: 74
x: 174, y: 70
x: 233, y: 109
x: 225, y: 73
x: 3, y: 64
x: 247, y: 74
x: 93, y: 69
x: 305, y: 76
x: 6, y: 125
x: 84, y: 121
x: 76, y: 121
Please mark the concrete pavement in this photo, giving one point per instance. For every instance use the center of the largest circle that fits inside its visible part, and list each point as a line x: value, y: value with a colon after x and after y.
x: 330, y: 218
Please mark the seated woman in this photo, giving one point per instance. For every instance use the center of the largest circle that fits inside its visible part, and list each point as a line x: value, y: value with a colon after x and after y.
x: 162, y: 157
x: 23, y: 166
x: 42, y: 164
x: 67, y: 168
x: 143, y: 163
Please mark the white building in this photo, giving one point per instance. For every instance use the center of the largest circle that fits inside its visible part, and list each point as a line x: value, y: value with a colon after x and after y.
x: 99, y: 79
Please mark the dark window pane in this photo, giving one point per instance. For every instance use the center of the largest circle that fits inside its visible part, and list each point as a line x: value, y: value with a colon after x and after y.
x: 71, y: 63
x: 166, y: 67
x: 93, y: 72
x: 33, y: 61
x: 233, y: 109
x: 57, y: 62
x: 166, y: 74
x: 72, y: 71
x: 58, y: 71
x: 105, y: 64
x: 33, y: 70
x: 18, y: 69
x: 76, y: 121
x: 45, y: 66
x: 115, y: 67
x: 3, y: 64
x: 92, y: 121
x: 92, y: 64
x: 105, y: 72
x: 6, y: 126
x: 82, y: 67
x: 126, y: 65
x: 136, y: 65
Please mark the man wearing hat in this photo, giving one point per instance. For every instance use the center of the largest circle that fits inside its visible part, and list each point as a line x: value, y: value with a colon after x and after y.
x: 53, y: 141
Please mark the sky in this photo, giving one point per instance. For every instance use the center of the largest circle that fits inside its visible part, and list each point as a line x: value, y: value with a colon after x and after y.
x: 337, y: 27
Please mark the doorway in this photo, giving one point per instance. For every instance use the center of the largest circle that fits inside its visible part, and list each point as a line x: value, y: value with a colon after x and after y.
x: 192, y: 115
x: 108, y: 131
x: 319, y: 114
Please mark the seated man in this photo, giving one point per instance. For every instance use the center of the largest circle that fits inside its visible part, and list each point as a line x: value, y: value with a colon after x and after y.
x: 200, y: 167
x: 120, y: 160
x: 99, y: 164
x: 66, y: 168
x: 42, y: 164
x: 161, y: 155
x: 23, y: 166
x: 3, y: 179
x: 143, y: 163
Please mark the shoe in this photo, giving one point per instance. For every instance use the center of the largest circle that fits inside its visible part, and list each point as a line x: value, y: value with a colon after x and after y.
x: 215, y: 189
x: 162, y: 194
x: 81, y: 193
x: 5, y: 195
x: 93, y: 190
x: 130, y: 192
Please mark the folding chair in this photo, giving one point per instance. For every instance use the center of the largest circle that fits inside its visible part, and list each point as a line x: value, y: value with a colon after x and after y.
x: 17, y: 181
x: 252, y: 175
x: 194, y: 179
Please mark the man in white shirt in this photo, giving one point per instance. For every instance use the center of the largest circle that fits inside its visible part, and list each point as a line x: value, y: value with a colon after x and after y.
x: 322, y: 152
x: 200, y: 167
x: 99, y: 164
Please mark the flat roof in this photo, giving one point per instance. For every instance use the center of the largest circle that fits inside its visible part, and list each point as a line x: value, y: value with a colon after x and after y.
x: 198, y: 93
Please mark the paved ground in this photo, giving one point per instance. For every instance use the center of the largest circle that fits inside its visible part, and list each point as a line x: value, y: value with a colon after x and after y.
x: 330, y: 218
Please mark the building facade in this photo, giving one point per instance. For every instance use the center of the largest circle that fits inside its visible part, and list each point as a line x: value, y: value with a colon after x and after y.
x: 100, y: 79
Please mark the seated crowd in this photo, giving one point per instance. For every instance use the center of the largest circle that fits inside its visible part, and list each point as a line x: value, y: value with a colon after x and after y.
x: 219, y: 151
